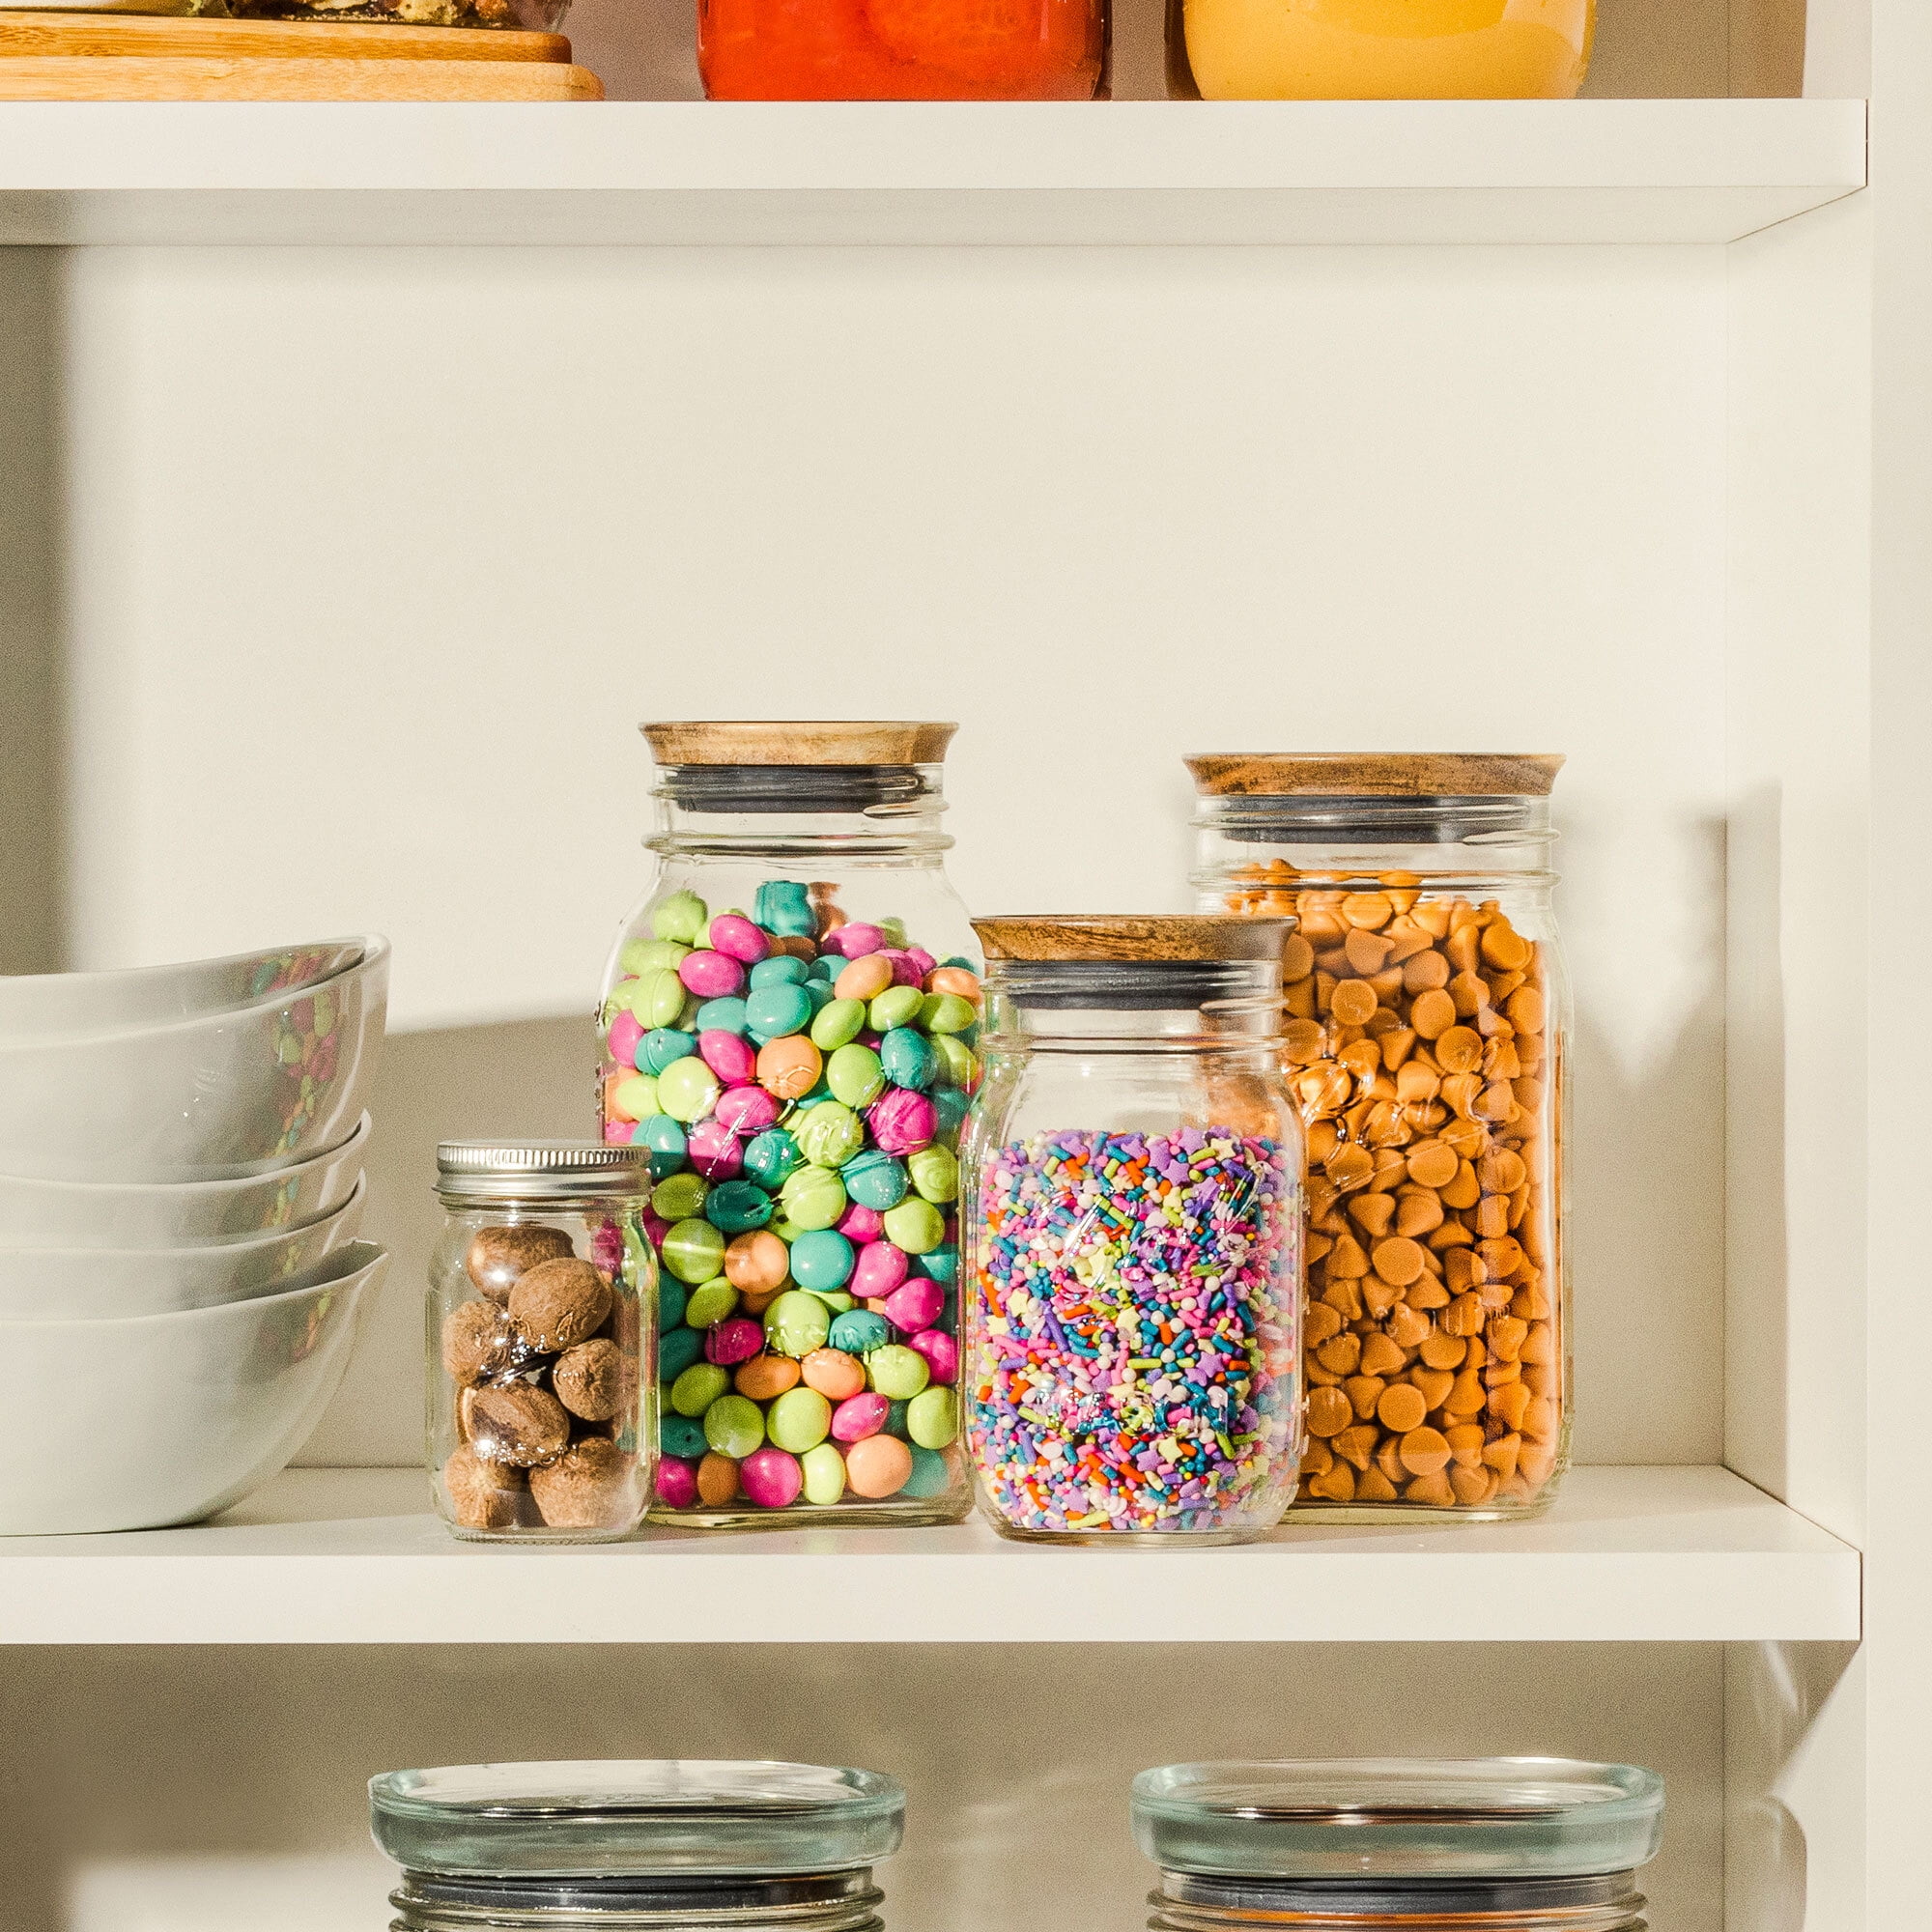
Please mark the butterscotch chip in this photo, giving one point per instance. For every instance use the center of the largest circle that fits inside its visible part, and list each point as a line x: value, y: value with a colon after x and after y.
x: 1352, y: 1002
x: 1367, y: 952
x: 1399, y: 1260
x: 1367, y: 910
x: 1431, y: 1164
x: 1329, y: 1412
x: 590, y: 1379
x: 560, y: 1303
x: 1459, y: 1050
x: 1424, y: 1451
x: 1402, y: 1407
x: 1303, y: 1040
x: 1335, y: 1485
x: 1432, y: 1014
x: 497, y: 1257
x: 1297, y: 958
x: 592, y: 1486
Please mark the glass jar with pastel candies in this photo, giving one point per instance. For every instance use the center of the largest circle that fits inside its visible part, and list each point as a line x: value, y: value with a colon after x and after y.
x: 1514, y: 1844
x: 790, y: 1023
x: 676, y: 1845
x: 1132, y: 1218
x: 1427, y: 1009
x: 542, y: 1410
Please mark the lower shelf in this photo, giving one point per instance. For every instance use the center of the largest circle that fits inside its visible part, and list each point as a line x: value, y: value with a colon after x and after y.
x: 1693, y: 1555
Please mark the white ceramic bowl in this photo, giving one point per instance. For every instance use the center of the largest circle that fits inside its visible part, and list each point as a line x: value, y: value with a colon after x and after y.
x: 164, y: 1215
x: 58, y: 1006
x: 115, y: 1284
x: 170, y: 1418
x: 211, y: 1098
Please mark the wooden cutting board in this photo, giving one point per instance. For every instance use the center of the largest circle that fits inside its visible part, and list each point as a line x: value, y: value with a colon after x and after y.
x: 247, y: 78
x: 45, y: 35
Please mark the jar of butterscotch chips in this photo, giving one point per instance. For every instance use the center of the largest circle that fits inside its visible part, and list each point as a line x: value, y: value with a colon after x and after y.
x: 1426, y: 1013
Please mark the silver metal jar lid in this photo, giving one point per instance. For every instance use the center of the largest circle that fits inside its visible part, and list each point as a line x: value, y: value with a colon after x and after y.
x: 500, y: 1171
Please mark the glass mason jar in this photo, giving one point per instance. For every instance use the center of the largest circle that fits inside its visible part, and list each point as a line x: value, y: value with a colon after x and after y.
x: 1132, y: 1225
x: 790, y: 1022
x: 1379, y: 49
x: 1427, y: 1845
x: 542, y: 1404
x: 1428, y: 1010
x: 665, y: 1846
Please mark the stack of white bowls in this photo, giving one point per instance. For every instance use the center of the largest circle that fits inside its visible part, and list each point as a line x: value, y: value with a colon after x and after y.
x: 181, y: 1200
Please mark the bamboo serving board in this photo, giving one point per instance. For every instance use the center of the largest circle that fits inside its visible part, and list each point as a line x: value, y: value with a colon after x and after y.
x: 52, y: 35
x: 137, y: 77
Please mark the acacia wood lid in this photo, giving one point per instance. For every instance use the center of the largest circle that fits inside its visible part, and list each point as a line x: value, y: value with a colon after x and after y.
x: 798, y: 742
x: 1376, y: 774
x: 1191, y: 936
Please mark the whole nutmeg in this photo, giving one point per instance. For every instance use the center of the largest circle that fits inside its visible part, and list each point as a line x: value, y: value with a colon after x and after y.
x: 594, y: 1486
x: 479, y: 1340
x: 590, y: 1380
x: 560, y: 1303
x: 499, y: 1256
x: 517, y: 1424
x: 484, y: 1494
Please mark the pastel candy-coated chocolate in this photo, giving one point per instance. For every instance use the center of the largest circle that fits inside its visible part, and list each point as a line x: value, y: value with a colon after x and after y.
x: 941, y: 1352
x: 835, y: 1298
x: 875, y: 1180
x: 834, y: 1373
x: 662, y: 1046
x: 947, y: 1014
x: 734, y: 1425
x: 905, y: 972
x: 797, y: 1322
x: 859, y: 1331
x: 734, y: 935
x: 641, y: 955
x: 935, y: 1175
x: 855, y: 1074
x: 950, y: 1107
x: 659, y: 997
x: 626, y: 1031
x: 677, y: 1484
x: 789, y: 1067
x: 665, y: 1138
x: 932, y: 1417
x: 756, y: 1264
x: 824, y: 1470
x: 617, y: 1129
x: 771, y: 1478
x: 865, y: 978
x: 879, y: 1270
x: 920, y: 958
x: 916, y: 1304
x: 682, y: 1435
x: 822, y: 1260
x: 856, y: 939
x: 829, y: 1134
x: 746, y: 1110
x: 734, y: 1341
x: 782, y: 970
x: 959, y: 982
x: 711, y: 1301
x: 713, y: 975
x: 931, y: 1474
x: 680, y: 1197
x: 679, y: 1348
x: 694, y: 1251
x: 942, y: 1263
x: 736, y: 1207
x: 895, y: 1007
x: 671, y: 1298
x: 785, y: 906
x: 814, y: 1197
x: 907, y: 1059
x: 834, y: 1024
x: 682, y: 917
x: 716, y: 1479
x: 699, y: 1388
x: 799, y: 1420
x: 859, y: 1224
x: 721, y: 1016
x: 917, y: 1225
x: 688, y: 1089
x: 773, y: 1157
x: 777, y: 1010
x: 896, y: 1372
x: 729, y: 1055
x: 712, y: 1151
x: 901, y: 1121
x: 878, y: 1468
x: 857, y: 1417
x: 635, y: 1098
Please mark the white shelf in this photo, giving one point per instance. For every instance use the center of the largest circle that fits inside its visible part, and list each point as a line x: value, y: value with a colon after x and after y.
x: 1601, y: 171
x: 346, y: 1556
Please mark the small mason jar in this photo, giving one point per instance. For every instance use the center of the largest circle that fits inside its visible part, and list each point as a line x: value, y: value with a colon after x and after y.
x: 789, y: 1025
x: 1520, y: 1845
x: 542, y: 1403
x: 1426, y: 1011
x: 1132, y: 1226
x: 652, y: 1846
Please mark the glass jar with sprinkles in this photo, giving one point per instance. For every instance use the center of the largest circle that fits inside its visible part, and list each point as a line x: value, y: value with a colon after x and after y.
x: 1131, y: 1220
x: 651, y: 1846
x: 1523, y: 1844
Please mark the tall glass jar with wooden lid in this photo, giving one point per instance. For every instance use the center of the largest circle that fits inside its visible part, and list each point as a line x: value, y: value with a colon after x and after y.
x: 1426, y: 1016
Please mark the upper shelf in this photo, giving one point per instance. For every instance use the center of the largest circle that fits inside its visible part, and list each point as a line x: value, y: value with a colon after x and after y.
x: 1113, y: 173
x: 1685, y: 1555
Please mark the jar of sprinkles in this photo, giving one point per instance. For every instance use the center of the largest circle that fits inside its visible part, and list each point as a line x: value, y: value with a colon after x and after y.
x: 1521, y: 1844
x: 669, y: 1845
x: 1132, y: 1225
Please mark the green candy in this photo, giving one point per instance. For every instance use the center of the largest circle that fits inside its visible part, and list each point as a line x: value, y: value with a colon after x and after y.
x: 681, y: 1197
x: 932, y: 1417
x: 699, y: 1388
x: 799, y: 1420
x: 830, y: 1134
x: 637, y: 1096
x: 896, y: 1372
x: 824, y: 1471
x: 710, y: 1305
x: 854, y: 1074
x: 814, y: 1197
x: 645, y: 956
x: 659, y: 999
x: 931, y: 1475
x: 835, y: 1298
x: 895, y: 1007
x: 682, y: 917
x: 935, y: 1174
x: 947, y: 1014
x: 837, y: 1022
x: 797, y: 1322
x: 694, y: 1251
x: 893, y: 929
x: 915, y: 1225
x: 734, y: 1425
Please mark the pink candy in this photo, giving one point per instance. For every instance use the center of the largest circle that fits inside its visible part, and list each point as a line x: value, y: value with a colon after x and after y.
x: 617, y: 1130
x: 714, y: 1150
x: 734, y: 1341
x: 733, y: 934
x: 902, y: 1122
x: 862, y: 1224
x: 711, y: 976
x: 856, y: 940
x: 941, y: 1352
x: 677, y: 1484
x: 746, y: 1111
x: 858, y: 1416
x: 626, y: 1031
x: 607, y: 1248
x: 904, y: 972
x: 656, y: 1228
x: 878, y: 1270
x: 729, y: 1055
x: 923, y: 959
x: 916, y: 1304
x: 771, y: 1478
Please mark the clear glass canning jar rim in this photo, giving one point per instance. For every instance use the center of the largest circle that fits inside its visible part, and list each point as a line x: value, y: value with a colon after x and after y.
x: 547, y: 1177
x: 1599, y: 1902
x: 835, y: 1902
x: 1128, y: 1006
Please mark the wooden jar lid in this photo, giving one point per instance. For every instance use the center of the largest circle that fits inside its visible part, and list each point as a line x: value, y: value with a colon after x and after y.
x: 1376, y: 774
x: 811, y: 742
x: 1189, y: 936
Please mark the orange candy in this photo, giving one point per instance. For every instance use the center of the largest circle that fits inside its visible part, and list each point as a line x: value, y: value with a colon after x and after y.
x: 876, y: 1467
x: 834, y: 1373
x: 765, y: 1376
x: 717, y: 1479
x: 954, y: 979
x: 789, y: 1067
x: 757, y: 1262
x: 865, y: 978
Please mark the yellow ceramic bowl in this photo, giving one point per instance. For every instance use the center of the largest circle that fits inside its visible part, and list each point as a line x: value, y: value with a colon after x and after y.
x: 1388, y: 50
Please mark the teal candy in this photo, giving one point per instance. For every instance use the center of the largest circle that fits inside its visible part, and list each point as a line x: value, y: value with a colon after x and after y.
x: 721, y: 1016
x: 932, y: 1417
x: 671, y: 1298
x: 681, y: 1435
x: 821, y: 1091
x: 819, y: 993
x: 830, y: 1134
x: 734, y: 1427
x: 860, y: 1332
x: 698, y: 1386
x: 915, y: 1225
x: 895, y: 1007
x: 822, y: 1260
x: 814, y: 1197
x: 942, y: 1263
x: 935, y: 1174
x: 694, y: 1251
x: 688, y: 1090
x: 780, y: 970
x: 659, y: 999
x: 896, y: 1420
x: 947, y: 1014
x: 854, y: 1074
x: 959, y: 959
x: 875, y: 1180
x: 837, y: 1022
x: 714, y: 1302
x: 678, y: 1348
x: 777, y: 1010
x: 909, y: 1059
x: 737, y: 1207
x: 799, y: 1420
x: 644, y: 955
x: 824, y: 1471
x: 682, y: 917
x: 772, y: 1157
x: 662, y: 1046
x: 665, y: 1138
x: 931, y: 1476
x: 785, y: 906
x: 825, y: 966
x: 680, y: 1198
x: 949, y: 1108
x: 896, y: 1372
x: 797, y: 1322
